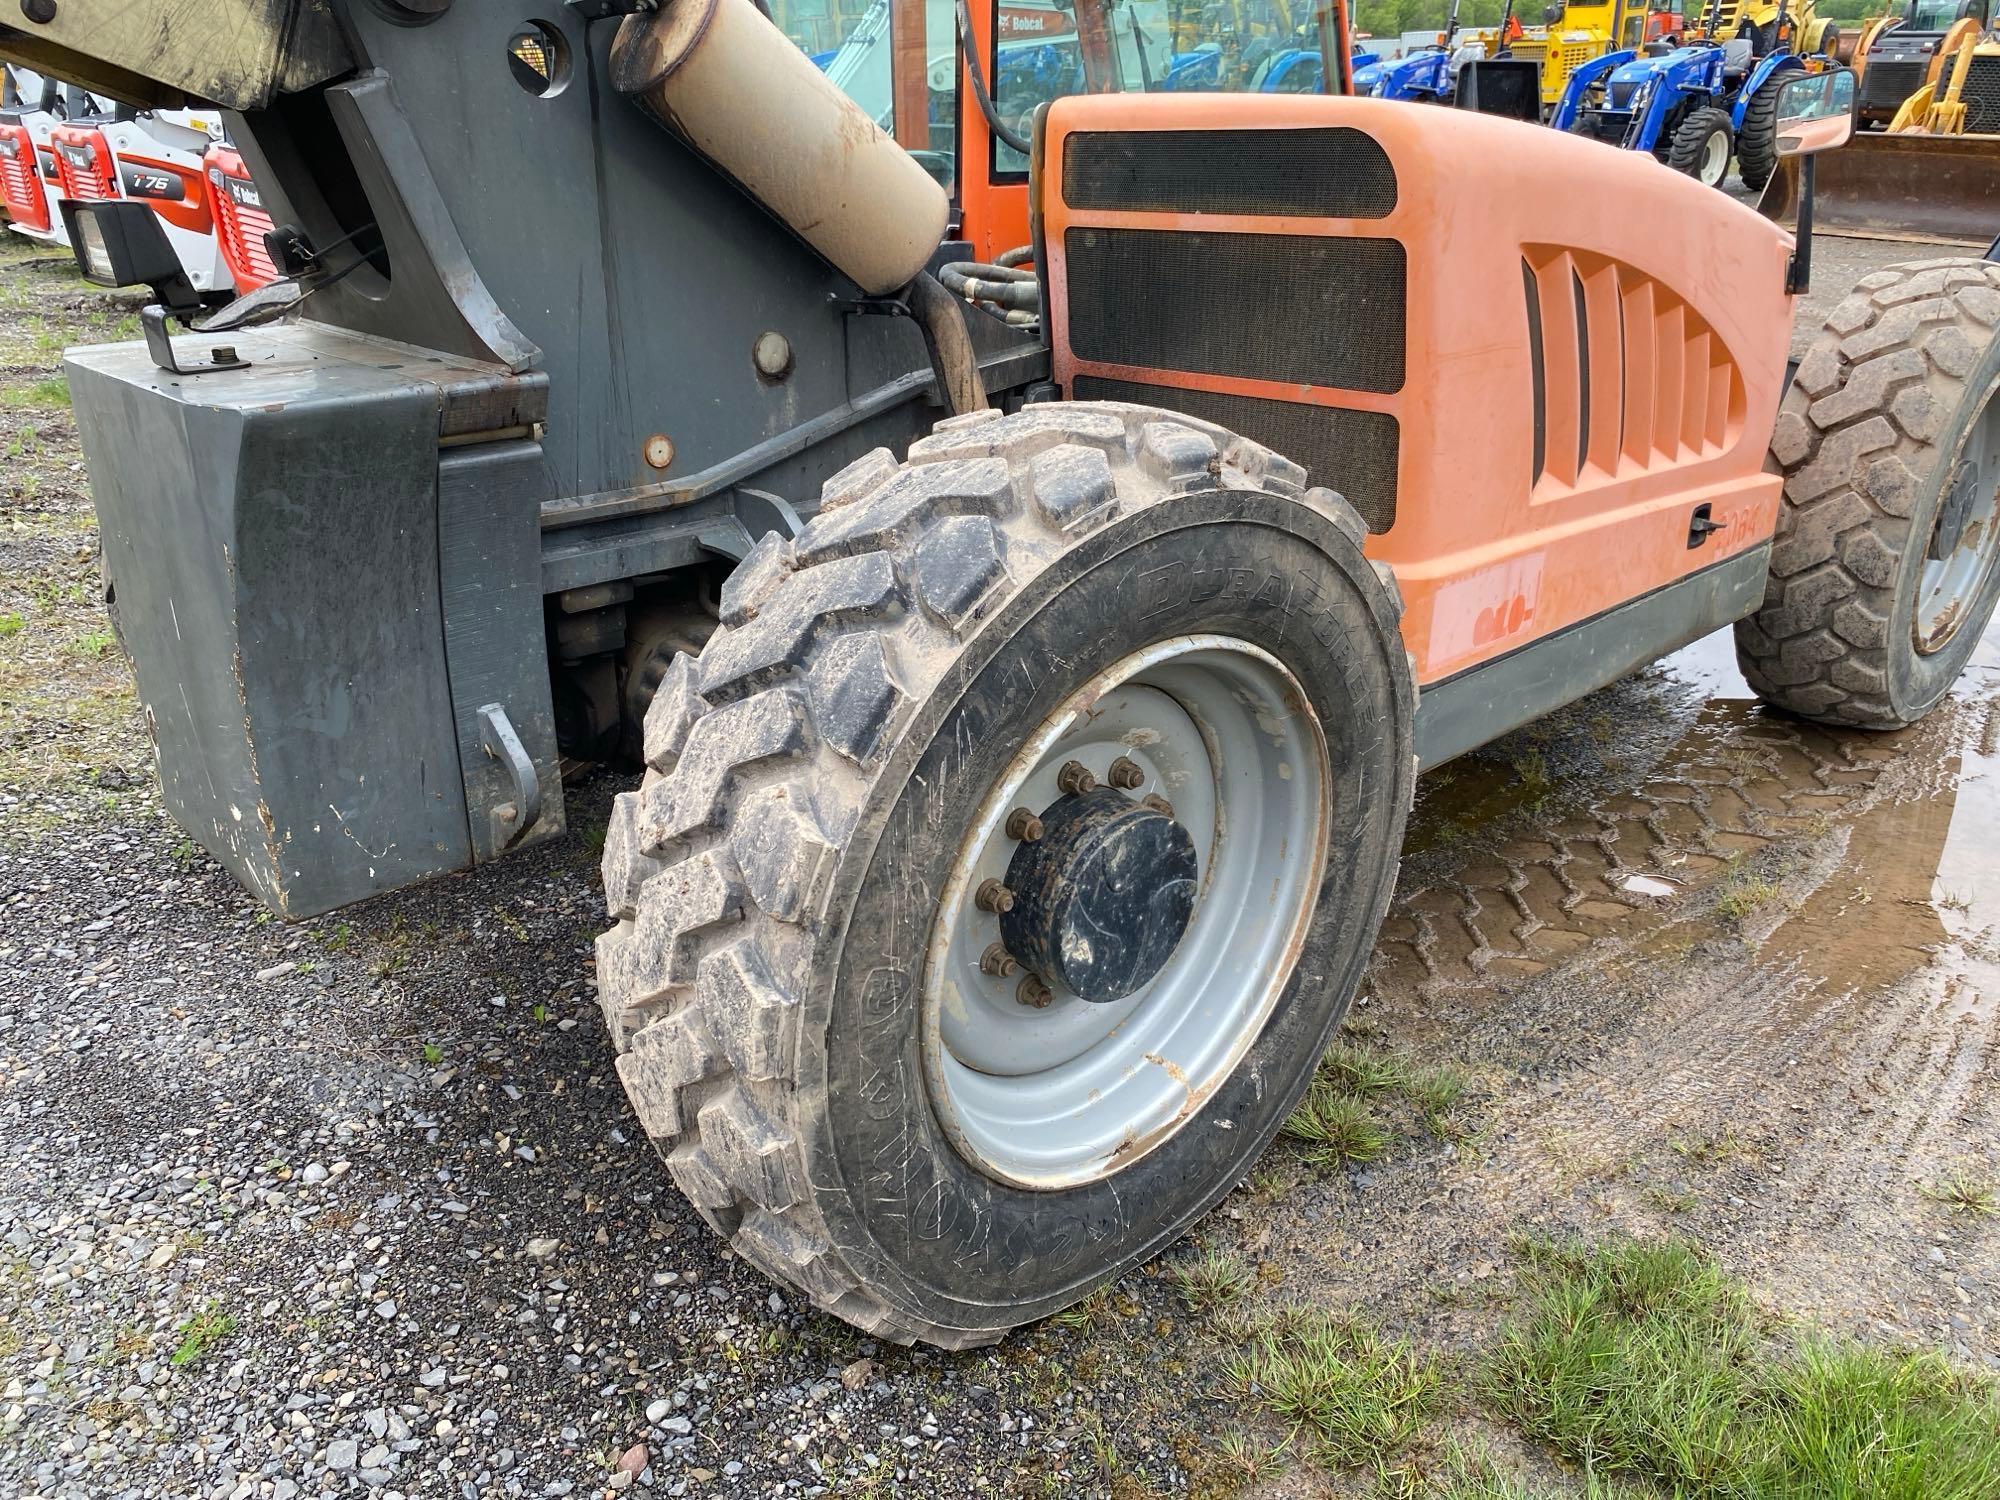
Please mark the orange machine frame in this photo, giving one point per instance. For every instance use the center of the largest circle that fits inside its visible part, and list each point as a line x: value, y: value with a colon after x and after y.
x: 993, y: 215
x: 1682, y: 287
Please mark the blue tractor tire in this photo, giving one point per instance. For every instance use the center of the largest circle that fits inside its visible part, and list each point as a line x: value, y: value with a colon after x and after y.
x: 1757, y: 141
x: 1701, y: 145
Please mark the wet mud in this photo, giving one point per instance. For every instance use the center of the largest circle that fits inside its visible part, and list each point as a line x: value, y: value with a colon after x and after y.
x: 1718, y: 973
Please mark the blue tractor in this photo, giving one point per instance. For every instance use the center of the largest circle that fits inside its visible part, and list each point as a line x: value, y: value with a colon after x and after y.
x: 1436, y: 74
x: 1425, y: 75
x: 1693, y: 106
x: 1299, y: 70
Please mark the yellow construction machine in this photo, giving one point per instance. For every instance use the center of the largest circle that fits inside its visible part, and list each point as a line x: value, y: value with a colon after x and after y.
x: 1571, y: 35
x: 1575, y: 34
x: 1902, y: 51
x: 1934, y: 173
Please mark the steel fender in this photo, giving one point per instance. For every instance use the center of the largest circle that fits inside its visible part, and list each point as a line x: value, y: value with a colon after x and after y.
x: 1662, y: 83
x: 1424, y: 73
x: 1767, y: 68
x: 1580, y: 80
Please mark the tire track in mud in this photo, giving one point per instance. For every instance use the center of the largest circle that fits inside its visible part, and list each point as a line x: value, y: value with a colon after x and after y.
x: 1787, y: 1045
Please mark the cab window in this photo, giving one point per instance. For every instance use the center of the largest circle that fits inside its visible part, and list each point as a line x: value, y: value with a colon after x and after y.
x: 1157, y: 46
x: 897, y: 59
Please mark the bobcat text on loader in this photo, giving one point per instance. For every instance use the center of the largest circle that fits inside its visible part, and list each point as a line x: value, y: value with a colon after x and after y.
x: 1025, y: 780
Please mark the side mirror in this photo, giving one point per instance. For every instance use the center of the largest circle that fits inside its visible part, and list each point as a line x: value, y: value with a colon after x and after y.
x: 1815, y: 112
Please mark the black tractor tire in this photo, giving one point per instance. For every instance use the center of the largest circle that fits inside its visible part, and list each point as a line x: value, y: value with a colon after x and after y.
x: 1757, y: 141
x: 809, y: 777
x: 1870, y: 438
x: 1689, y: 147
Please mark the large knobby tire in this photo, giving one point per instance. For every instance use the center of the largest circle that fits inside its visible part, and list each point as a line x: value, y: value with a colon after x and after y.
x: 1757, y: 141
x: 1887, y: 440
x: 1700, y: 146
x: 778, y: 878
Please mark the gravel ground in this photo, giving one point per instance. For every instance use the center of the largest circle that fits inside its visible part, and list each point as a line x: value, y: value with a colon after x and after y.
x: 357, y: 1207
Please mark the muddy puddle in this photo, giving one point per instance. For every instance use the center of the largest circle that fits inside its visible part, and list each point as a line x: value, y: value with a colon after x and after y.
x: 1717, y: 973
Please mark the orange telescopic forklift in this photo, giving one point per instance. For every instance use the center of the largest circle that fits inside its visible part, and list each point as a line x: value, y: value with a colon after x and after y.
x: 1032, y: 523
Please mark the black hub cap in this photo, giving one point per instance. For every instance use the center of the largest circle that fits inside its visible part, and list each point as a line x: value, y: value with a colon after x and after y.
x: 1102, y: 898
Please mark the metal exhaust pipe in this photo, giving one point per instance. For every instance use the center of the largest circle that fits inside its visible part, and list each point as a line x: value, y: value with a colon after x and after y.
x: 730, y: 84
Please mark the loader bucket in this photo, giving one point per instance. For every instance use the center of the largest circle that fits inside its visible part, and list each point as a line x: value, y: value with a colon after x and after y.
x: 1924, y: 186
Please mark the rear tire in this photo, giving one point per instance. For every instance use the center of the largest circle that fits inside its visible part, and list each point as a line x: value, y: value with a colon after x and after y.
x: 1883, y: 573
x: 790, y: 882
x: 1757, y: 142
x: 1700, y: 146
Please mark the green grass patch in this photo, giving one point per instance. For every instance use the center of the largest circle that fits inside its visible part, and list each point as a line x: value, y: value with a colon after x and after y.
x: 1742, y: 894
x: 1212, y: 1280
x: 1355, y: 1399
x: 1339, y: 1120
x: 11, y: 624
x: 1964, y: 1192
x: 1332, y: 1127
x: 1645, y: 1361
x: 51, y: 391
x: 200, y: 1335
x: 1363, y: 1071
x: 1478, y: 1477
x: 1844, y: 1420
x: 1104, y: 1308
x: 1631, y: 1359
x: 1249, y: 1462
x: 1435, y: 1090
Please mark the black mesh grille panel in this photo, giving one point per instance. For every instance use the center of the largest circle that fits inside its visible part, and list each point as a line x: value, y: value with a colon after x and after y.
x: 1335, y: 173
x: 1353, y: 452
x: 1889, y: 81
x: 1307, y: 309
x: 1981, y: 96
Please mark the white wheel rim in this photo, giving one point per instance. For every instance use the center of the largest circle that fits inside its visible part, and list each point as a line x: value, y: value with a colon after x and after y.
x: 1964, y: 544
x: 1073, y: 1092
x: 1714, y: 158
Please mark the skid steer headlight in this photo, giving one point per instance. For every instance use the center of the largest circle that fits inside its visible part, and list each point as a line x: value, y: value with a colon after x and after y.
x: 120, y: 243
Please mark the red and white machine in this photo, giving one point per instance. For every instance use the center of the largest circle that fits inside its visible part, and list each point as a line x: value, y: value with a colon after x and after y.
x: 29, y: 112
x: 241, y: 219
x: 59, y: 142
x: 156, y: 158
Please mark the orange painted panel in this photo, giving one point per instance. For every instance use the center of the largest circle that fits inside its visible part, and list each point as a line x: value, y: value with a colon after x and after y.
x: 993, y: 215
x: 1682, y: 308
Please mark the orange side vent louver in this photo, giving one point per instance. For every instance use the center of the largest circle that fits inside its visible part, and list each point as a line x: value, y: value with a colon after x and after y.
x: 1627, y: 375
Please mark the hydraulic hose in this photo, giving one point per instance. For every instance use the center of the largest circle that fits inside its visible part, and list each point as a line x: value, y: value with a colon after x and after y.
x: 999, y: 285
x: 979, y: 95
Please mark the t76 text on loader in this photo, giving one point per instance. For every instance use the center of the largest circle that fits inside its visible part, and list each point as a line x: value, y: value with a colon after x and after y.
x: 1023, y: 788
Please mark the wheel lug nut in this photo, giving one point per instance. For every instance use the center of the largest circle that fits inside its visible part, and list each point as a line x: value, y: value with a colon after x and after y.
x: 1125, y: 774
x: 997, y: 961
x: 1158, y: 804
x: 1023, y: 826
x: 1075, y: 778
x: 1033, y: 993
x: 993, y: 896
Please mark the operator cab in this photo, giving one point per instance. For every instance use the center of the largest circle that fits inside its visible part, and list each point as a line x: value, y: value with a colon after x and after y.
x: 904, y: 63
